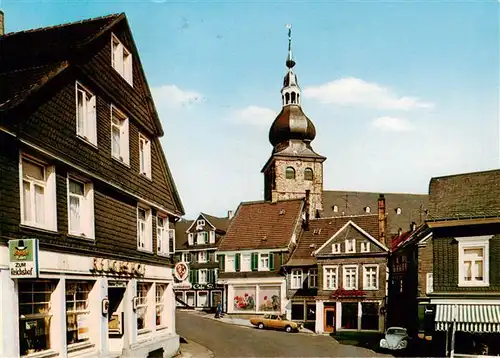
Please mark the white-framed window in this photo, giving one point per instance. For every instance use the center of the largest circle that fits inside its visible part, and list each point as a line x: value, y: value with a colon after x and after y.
x: 38, y: 193
x: 296, y: 279
x: 202, y: 238
x: 203, y: 276
x: 330, y: 277
x: 144, y: 232
x: 365, y: 246
x: 350, y: 277
x: 77, y: 311
x: 142, y: 305
x: 212, y: 237
x: 121, y: 59
x: 200, y: 222
x: 370, y: 277
x: 313, y: 278
x: 80, y: 207
x: 162, y: 239
x: 119, y: 136
x: 190, y: 239
x: 264, y: 262
x: 473, y: 261
x: 246, y: 262
x: 367, y: 210
x: 160, y: 305
x: 335, y: 209
x: 35, y: 315
x: 185, y: 257
x: 202, y: 256
x: 229, y: 267
x: 350, y: 245
x: 86, y: 123
x: 336, y: 248
x: 144, y: 156
x: 429, y: 286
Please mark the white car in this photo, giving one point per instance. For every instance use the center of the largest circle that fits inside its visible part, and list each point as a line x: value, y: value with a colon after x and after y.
x: 396, y: 338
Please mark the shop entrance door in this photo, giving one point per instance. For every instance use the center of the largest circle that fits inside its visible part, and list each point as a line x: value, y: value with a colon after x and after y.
x: 115, y: 312
x: 329, y: 317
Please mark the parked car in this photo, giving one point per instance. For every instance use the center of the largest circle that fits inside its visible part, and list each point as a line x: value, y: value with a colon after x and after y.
x: 396, y: 338
x: 276, y: 322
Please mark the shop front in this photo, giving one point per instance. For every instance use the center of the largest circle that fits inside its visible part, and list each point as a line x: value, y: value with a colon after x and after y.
x: 343, y: 314
x: 63, y: 304
x: 258, y: 296
x: 303, y: 310
x: 202, y: 296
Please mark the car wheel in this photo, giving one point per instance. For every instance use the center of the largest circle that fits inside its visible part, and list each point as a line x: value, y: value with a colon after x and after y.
x: 261, y: 325
x: 288, y: 329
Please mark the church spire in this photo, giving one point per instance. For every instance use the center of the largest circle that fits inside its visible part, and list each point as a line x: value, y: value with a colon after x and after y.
x: 290, y: 93
x: 289, y: 61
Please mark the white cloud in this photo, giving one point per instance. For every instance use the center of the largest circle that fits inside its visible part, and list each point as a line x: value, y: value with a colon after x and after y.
x: 173, y: 96
x: 393, y: 124
x: 254, y: 115
x: 352, y: 91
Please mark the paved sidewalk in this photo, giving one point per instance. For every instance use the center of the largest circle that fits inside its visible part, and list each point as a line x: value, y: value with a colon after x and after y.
x: 190, y: 349
x: 236, y: 321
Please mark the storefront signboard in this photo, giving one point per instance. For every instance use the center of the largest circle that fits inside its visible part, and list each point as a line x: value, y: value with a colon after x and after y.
x: 23, y: 258
x: 207, y: 286
x: 182, y: 285
x: 181, y: 271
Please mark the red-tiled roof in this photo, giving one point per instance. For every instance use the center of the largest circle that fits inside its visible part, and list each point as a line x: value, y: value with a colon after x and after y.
x: 262, y: 225
x: 320, y: 230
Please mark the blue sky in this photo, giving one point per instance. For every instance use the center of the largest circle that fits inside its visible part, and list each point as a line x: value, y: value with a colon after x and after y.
x: 398, y: 91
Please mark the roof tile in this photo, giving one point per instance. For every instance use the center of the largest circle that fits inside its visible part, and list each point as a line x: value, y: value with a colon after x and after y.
x: 262, y: 225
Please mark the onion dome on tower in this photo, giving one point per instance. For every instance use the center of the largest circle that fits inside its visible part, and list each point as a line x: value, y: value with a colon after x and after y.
x: 291, y: 128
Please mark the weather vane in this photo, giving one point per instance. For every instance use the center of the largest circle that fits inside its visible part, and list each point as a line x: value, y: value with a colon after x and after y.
x: 289, y: 62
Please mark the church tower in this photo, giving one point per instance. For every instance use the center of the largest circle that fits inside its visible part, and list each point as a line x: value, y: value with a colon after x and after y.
x: 294, y: 168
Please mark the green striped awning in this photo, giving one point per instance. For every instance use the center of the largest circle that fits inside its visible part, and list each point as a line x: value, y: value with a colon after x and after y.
x: 479, y: 318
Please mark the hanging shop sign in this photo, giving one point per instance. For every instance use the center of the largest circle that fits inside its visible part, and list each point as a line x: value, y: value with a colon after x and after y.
x: 181, y: 271
x: 207, y: 286
x: 182, y: 285
x: 118, y: 267
x: 23, y: 258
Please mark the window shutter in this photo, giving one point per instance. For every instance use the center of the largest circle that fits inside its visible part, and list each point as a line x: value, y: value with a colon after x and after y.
x: 190, y: 239
x: 205, y: 234
x: 212, y: 237
x: 171, y: 241
x: 271, y: 261
x: 209, y: 276
x: 191, y: 276
x: 92, y: 121
x: 237, y: 262
x: 211, y: 256
x: 222, y: 262
x: 196, y: 276
x: 255, y: 261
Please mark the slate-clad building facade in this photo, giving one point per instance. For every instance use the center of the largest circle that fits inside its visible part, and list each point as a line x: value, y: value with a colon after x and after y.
x: 464, y: 216
x: 196, y: 245
x: 84, y: 179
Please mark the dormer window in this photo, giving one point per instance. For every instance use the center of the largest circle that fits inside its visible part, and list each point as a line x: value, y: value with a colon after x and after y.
x: 365, y: 246
x: 308, y: 174
x: 200, y: 223
x: 350, y: 245
x: 121, y: 59
x: 290, y: 173
x: 398, y: 211
x: 367, y: 209
x: 335, y: 209
x: 336, y: 248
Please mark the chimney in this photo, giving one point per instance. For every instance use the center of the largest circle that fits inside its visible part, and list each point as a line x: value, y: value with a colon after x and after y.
x: 307, y: 209
x: 229, y: 214
x: 382, y: 221
x: 2, y: 27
